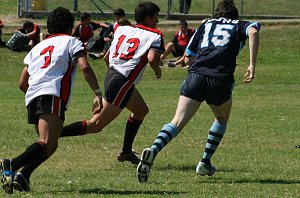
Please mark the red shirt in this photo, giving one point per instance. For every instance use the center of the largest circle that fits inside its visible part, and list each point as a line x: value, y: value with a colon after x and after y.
x: 84, y: 33
x: 183, y: 38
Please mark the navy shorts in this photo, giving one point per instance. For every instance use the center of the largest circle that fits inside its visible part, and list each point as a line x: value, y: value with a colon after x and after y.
x: 118, y: 89
x: 179, y: 50
x: 45, y: 104
x: 213, y: 90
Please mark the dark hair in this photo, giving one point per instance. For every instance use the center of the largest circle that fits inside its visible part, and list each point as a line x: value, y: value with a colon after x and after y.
x: 60, y: 20
x: 119, y: 12
x: 183, y: 22
x: 28, y: 24
x: 145, y: 9
x: 227, y: 9
x: 124, y: 22
x: 85, y: 16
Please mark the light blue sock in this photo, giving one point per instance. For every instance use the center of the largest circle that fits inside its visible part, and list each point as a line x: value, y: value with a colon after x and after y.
x: 166, y: 134
x: 214, y: 138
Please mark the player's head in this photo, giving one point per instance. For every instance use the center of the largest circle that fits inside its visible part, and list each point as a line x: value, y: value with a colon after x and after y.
x: 227, y: 9
x: 119, y: 13
x: 85, y: 18
x: 183, y: 25
x: 60, y: 20
x: 28, y: 25
x: 147, y: 13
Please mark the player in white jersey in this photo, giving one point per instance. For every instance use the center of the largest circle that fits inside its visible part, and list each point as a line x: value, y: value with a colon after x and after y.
x: 47, y: 80
x: 131, y: 50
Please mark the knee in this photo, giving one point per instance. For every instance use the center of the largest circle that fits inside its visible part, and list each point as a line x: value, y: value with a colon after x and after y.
x: 94, y: 126
x: 49, y: 147
x: 144, y: 111
x: 222, y: 120
x: 141, y: 114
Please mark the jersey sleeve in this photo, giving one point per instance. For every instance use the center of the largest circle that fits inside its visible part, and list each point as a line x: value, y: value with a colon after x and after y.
x: 27, y: 58
x: 158, y: 44
x: 192, y: 47
x: 75, y: 46
x: 245, y: 25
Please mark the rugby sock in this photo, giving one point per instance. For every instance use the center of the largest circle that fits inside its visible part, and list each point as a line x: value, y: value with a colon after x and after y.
x: 32, y: 154
x: 166, y: 134
x: 214, y: 138
x: 28, y: 169
x: 132, y: 127
x: 74, y: 129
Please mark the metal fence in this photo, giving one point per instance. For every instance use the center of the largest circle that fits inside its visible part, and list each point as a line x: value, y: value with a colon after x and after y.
x: 169, y: 8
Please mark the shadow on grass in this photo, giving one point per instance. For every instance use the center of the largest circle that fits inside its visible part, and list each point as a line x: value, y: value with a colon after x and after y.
x: 215, y: 178
x: 193, y: 168
x: 104, y: 191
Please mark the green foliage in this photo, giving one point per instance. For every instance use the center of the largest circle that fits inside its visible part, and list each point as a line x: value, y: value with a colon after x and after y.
x: 257, y: 157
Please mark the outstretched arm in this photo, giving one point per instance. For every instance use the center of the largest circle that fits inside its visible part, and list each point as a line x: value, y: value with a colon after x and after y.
x: 91, y: 78
x: 253, y: 50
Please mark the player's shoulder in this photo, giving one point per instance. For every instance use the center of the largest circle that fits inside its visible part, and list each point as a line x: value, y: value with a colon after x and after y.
x: 149, y: 29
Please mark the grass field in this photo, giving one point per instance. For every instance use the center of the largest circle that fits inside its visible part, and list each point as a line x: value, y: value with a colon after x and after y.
x: 257, y: 157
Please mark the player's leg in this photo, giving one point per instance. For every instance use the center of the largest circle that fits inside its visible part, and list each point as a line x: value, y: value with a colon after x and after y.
x: 186, y: 109
x: 113, y: 104
x: 50, y: 116
x: 100, y: 120
x: 215, y: 135
x: 139, y: 110
x: 220, y: 102
x: 169, y: 48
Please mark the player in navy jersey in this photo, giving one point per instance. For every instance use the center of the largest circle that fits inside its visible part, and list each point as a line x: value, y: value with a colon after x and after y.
x: 213, y: 49
x: 47, y: 79
x: 131, y: 49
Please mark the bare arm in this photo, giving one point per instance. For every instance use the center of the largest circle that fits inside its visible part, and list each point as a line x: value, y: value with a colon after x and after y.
x: 188, y: 59
x: 91, y: 79
x: 106, y: 58
x: 23, y: 81
x: 253, y: 50
x: 154, y: 60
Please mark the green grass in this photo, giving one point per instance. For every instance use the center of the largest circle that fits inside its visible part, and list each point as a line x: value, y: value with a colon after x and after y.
x: 257, y: 157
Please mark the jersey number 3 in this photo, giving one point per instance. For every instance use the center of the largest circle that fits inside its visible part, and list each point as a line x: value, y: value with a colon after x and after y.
x: 133, y: 45
x: 47, y: 58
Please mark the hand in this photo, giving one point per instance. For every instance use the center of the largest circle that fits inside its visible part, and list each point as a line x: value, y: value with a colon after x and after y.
x: 97, y: 105
x: 249, y: 76
x: 158, y: 73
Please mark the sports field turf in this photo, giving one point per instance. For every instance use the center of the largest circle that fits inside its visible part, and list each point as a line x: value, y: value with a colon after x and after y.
x: 257, y: 157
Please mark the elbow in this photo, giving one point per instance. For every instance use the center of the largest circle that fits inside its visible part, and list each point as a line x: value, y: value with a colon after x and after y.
x: 23, y: 88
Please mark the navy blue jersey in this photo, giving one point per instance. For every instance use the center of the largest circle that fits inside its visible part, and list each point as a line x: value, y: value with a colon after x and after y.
x: 216, y: 45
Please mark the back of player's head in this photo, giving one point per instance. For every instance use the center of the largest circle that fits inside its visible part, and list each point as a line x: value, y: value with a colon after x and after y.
x: 60, y: 20
x: 145, y: 9
x: 85, y: 16
x: 28, y: 24
x: 227, y: 9
x: 119, y: 12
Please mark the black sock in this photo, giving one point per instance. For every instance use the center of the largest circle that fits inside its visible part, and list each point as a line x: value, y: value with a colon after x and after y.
x: 32, y: 154
x: 74, y: 129
x: 132, y: 127
x: 28, y: 169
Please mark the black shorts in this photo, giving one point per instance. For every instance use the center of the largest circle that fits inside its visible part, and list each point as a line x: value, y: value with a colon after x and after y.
x: 45, y: 104
x: 213, y: 90
x: 118, y: 89
x: 179, y: 50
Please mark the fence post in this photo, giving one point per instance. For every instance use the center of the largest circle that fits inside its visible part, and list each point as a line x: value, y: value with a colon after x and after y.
x: 169, y: 4
x: 213, y: 9
x: 242, y: 5
x: 75, y: 4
